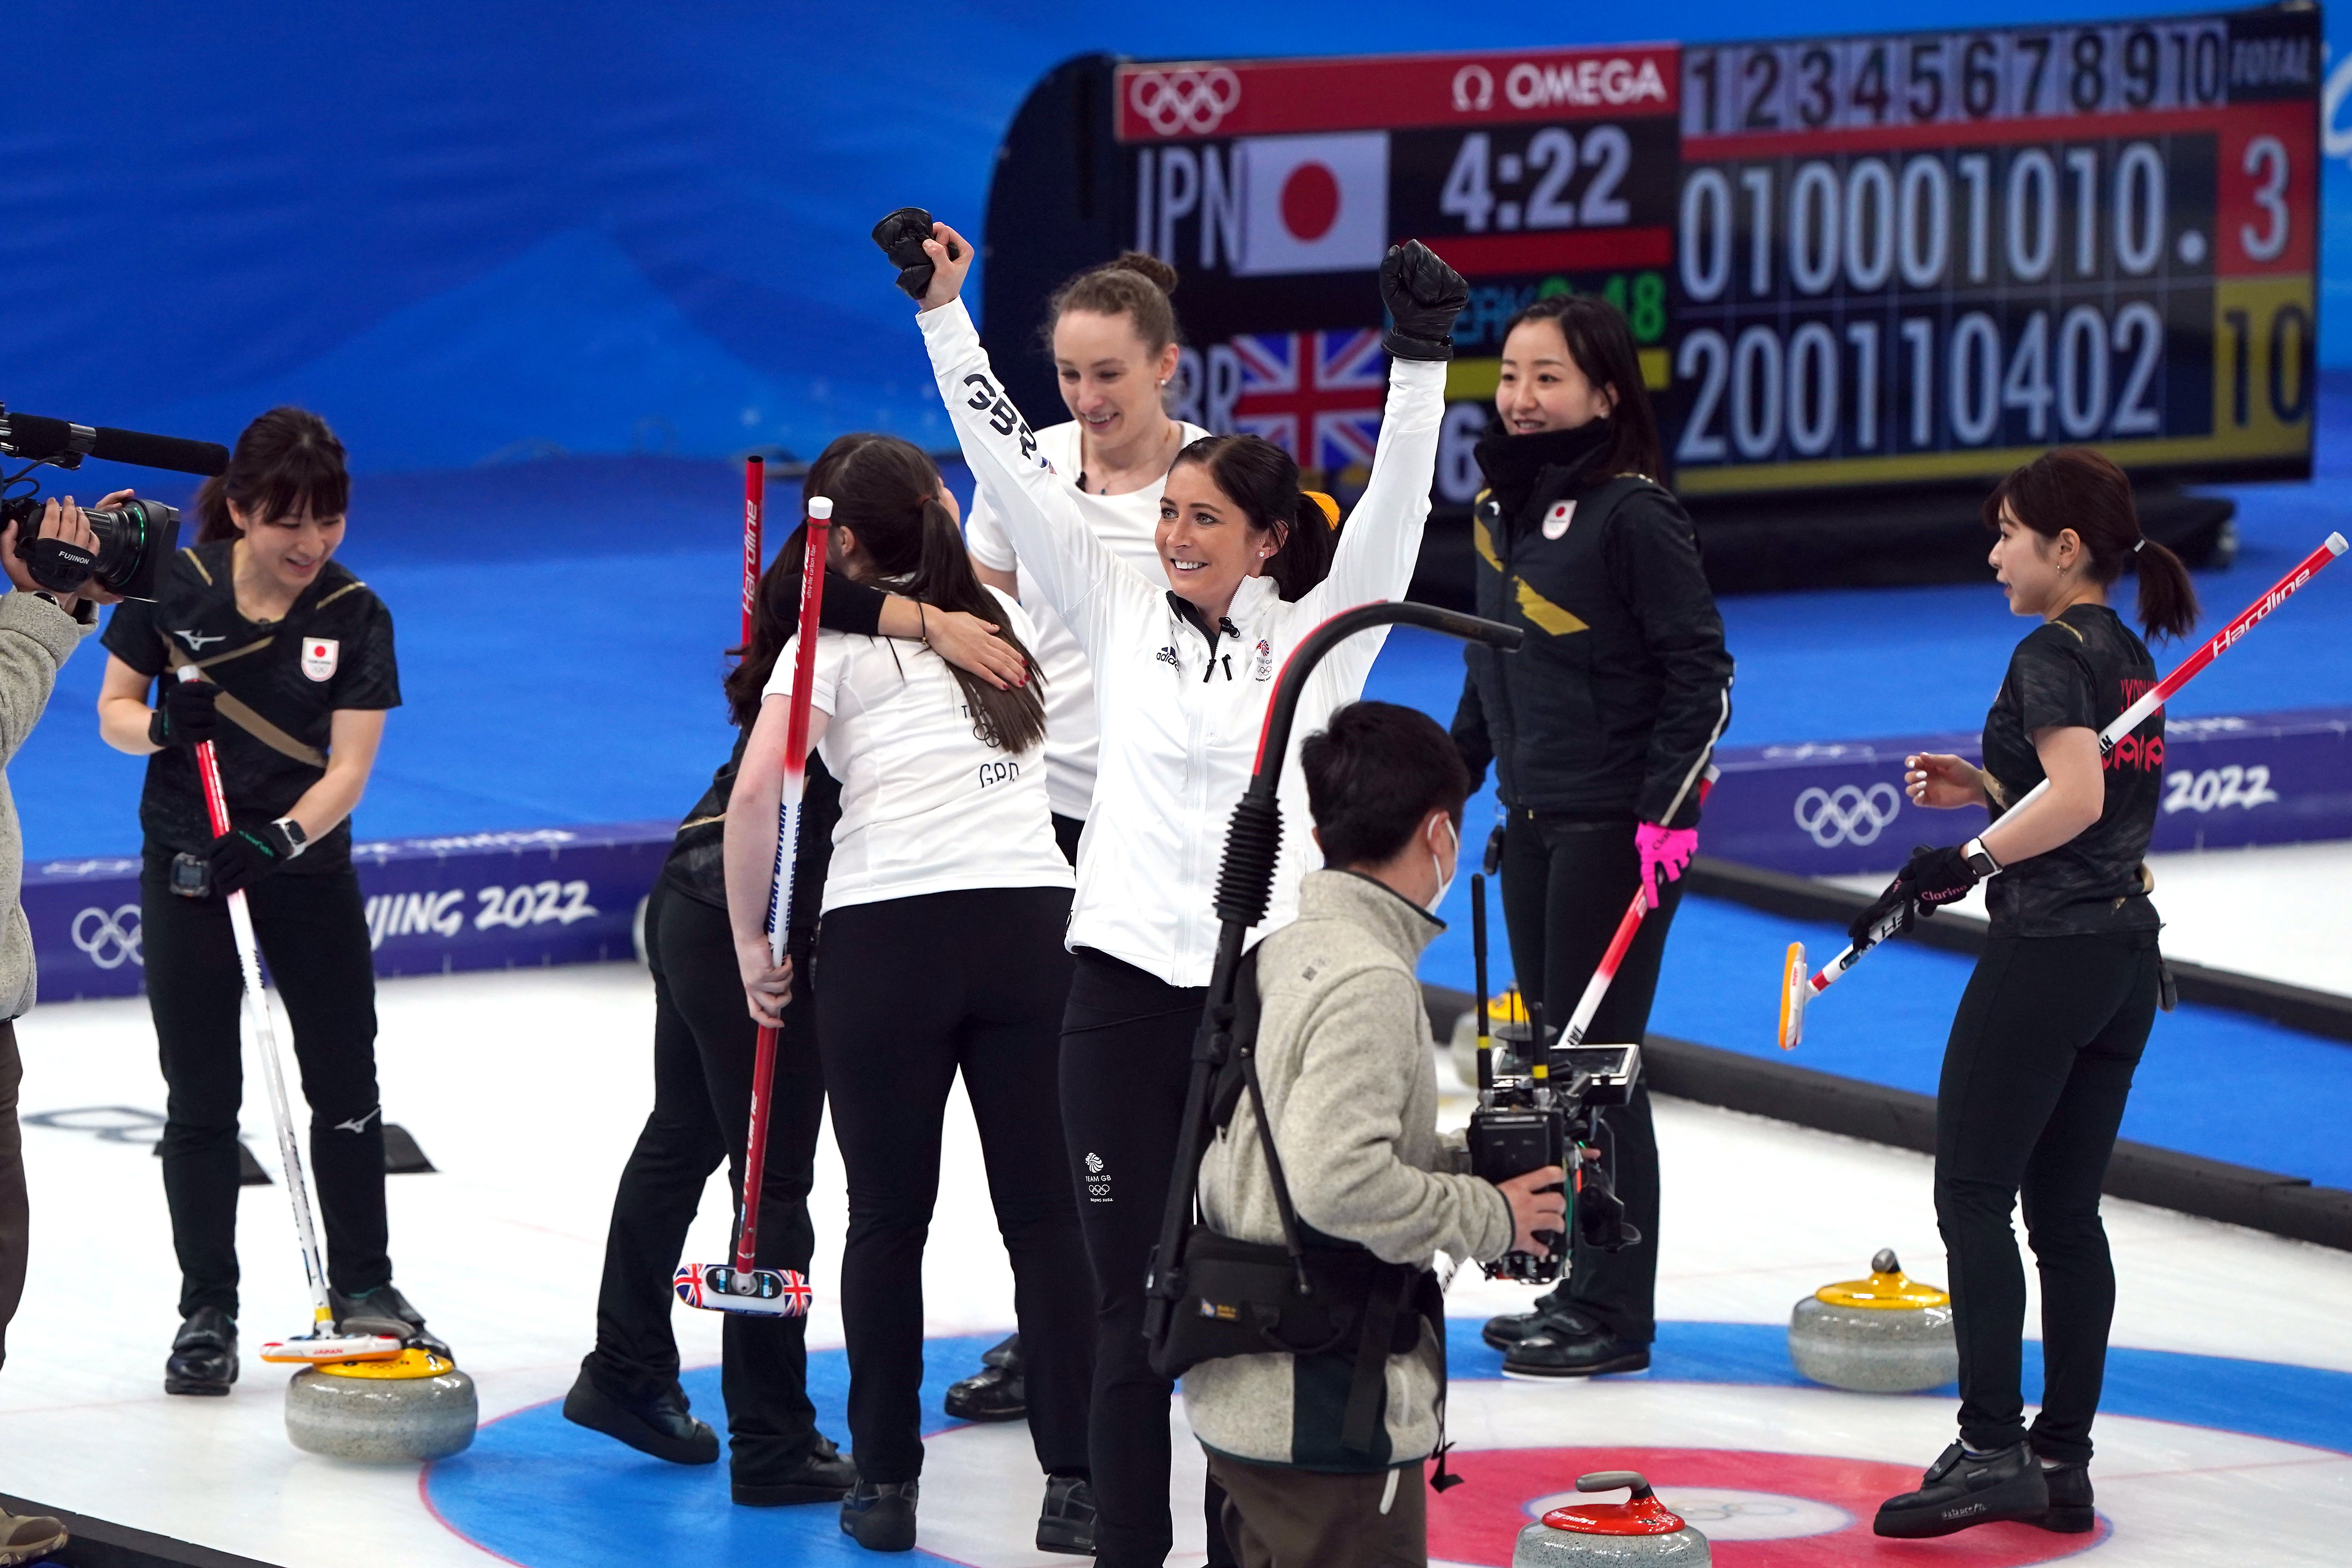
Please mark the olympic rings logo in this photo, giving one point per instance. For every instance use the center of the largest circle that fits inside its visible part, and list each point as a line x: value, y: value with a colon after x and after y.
x: 1848, y: 814
x: 109, y: 939
x: 1182, y: 100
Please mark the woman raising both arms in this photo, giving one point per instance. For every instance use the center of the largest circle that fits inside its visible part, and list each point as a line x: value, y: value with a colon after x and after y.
x: 1183, y: 667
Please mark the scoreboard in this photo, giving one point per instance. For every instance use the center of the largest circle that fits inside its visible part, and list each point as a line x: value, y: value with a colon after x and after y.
x: 1899, y: 259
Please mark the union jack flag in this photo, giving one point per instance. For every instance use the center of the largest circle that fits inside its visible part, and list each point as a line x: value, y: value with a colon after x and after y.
x: 1316, y: 395
x: 797, y: 1294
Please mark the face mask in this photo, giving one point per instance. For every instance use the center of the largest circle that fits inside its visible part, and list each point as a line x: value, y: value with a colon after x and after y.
x: 1445, y: 878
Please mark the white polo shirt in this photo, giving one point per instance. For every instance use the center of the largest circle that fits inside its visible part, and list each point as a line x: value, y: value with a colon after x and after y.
x: 1127, y: 525
x: 926, y: 806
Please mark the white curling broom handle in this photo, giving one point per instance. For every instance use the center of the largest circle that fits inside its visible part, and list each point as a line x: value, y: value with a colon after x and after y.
x: 2131, y: 717
x: 265, y: 1035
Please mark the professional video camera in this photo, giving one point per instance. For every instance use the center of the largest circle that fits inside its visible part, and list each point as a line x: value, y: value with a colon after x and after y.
x: 1536, y: 1108
x: 133, y: 539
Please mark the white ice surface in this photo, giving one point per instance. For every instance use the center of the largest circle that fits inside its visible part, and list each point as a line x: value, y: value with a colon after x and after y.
x: 2273, y: 910
x: 527, y: 1089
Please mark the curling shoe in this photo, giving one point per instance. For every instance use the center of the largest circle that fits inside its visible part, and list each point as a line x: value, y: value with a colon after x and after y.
x: 881, y: 1518
x: 997, y: 1392
x: 203, y: 1354
x: 384, y: 1310
x: 1572, y: 1346
x: 667, y: 1428
x: 1067, y: 1523
x: 1508, y: 1330
x: 820, y: 1475
x: 2071, y: 1510
x: 1961, y: 1489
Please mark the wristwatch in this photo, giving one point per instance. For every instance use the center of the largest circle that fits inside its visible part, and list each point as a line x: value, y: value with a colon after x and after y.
x: 296, y: 839
x: 1980, y: 859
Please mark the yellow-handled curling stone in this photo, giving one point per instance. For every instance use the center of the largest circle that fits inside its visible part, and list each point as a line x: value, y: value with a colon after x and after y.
x: 1885, y: 1334
x: 415, y: 1408
x: 1640, y: 1531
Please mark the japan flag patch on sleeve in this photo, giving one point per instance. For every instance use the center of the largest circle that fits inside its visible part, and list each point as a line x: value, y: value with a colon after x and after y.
x: 319, y: 656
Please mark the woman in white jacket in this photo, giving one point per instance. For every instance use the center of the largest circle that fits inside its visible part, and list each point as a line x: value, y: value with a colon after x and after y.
x: 1183, y: 669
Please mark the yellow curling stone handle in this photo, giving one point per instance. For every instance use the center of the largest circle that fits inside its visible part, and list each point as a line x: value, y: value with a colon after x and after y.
x: 1888, y: 1288
x: 412, y: 1362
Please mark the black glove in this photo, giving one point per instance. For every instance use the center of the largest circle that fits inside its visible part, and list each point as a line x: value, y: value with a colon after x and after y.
x: 1423, y: 295
x: 901, y: 236
x: 1937, y: 877
x: 184, y: 715
x: 1895, y: 901
x: 243, y: 856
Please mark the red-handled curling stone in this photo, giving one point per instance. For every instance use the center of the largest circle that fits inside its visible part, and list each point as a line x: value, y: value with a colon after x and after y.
x: 1640, y: 1531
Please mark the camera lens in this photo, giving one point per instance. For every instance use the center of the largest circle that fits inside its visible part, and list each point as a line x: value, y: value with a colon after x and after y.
x: 133, y: 539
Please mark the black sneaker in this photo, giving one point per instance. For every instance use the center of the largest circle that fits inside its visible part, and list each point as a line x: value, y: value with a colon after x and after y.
x: 2071, y: 1511
x: 384, y: 1310
x: 1067, y: 1523
x: 665, y: 1428
x: 1570, y: 1346
x: 821, y: 1475
x: 881, y: 1518
x: 997, y: 1392
x: 203, y: 1354
x: 1961, y: 1490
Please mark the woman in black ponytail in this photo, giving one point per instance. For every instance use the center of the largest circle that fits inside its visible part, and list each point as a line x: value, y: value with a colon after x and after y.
x: 2051, y: 1026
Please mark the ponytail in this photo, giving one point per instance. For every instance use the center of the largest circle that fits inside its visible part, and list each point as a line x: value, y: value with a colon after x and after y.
x: 1263, y: 480
x: 2077, y: 488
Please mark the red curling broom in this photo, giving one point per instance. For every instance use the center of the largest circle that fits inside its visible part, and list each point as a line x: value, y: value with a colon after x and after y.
x: 743, y: 1286
x: 324, y: 1342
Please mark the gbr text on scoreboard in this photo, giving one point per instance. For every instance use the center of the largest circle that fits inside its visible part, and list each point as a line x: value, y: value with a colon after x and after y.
x: 1884, y: 260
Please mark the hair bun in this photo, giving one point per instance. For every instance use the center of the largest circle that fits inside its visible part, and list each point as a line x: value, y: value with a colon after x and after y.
x: 1163, y: 277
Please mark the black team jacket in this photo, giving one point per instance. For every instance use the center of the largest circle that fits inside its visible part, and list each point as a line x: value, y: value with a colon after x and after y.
x: 1613, y: 704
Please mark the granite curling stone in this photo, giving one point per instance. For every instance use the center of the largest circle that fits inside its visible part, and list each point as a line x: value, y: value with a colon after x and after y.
x: 1640, y: 1532
x: 405, y: 1411
x: 1885, y: 1334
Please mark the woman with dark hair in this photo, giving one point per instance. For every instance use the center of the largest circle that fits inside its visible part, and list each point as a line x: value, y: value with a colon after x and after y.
x: 947, y: 895
x: 703, y: 1048
x: 2054, y: 1020
x: 298, y: 669
x: 1602, y: 727
x: 1183, y: 667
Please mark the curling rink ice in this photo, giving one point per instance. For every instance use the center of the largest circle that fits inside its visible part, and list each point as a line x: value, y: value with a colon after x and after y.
x: 2227, y: 1436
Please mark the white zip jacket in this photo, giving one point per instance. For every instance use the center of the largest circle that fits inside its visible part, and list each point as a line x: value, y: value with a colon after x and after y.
x: 1180, y: 714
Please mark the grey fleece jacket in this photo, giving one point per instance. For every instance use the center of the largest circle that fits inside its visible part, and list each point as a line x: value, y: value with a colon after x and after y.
x: 1350, y: 1080
x: 35, y: 639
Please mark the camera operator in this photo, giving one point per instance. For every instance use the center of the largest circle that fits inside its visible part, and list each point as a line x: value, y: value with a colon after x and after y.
x: 297, y: 658
x: 1345, y: 1062
x: 39, y: 632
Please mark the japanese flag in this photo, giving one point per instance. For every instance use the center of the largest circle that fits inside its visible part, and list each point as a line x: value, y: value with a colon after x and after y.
x: 1313, y: 204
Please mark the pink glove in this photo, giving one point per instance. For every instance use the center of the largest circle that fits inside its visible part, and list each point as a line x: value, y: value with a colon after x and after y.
x: 1666, y: 849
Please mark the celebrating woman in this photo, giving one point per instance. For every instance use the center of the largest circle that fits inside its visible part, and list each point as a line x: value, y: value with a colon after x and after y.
x: 1602, y: 728
x: 1113, y: 335
x: 947, y: 895
x: 297, y: 656
x: 1183, y: 665
x: 2051, y: 1027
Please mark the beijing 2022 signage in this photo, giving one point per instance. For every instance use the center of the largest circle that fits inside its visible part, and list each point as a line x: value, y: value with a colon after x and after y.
x: 1891, y: 259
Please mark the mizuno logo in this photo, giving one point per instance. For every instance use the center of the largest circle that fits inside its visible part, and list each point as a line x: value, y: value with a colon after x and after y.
x: 196, y: 640
x: 359, y: 1123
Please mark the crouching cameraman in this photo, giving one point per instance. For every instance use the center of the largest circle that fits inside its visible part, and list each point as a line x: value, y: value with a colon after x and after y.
x: 1319, y: 1468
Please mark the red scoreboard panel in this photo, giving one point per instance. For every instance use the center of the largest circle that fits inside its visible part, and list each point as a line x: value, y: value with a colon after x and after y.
x: 1892, y: 260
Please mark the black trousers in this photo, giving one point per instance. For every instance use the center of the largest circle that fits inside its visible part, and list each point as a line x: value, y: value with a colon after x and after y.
x: 704, y: 1041
x: 313, y: 932
x: 909, y: 991
x: 1565, y: 887
x: 1126, y: 1058
x: 2036, y: 1073
x: 15, y: 1214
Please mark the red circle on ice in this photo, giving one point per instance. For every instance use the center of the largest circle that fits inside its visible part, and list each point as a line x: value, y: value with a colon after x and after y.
x: 1310, y: 201
x: 1757, y: 1511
